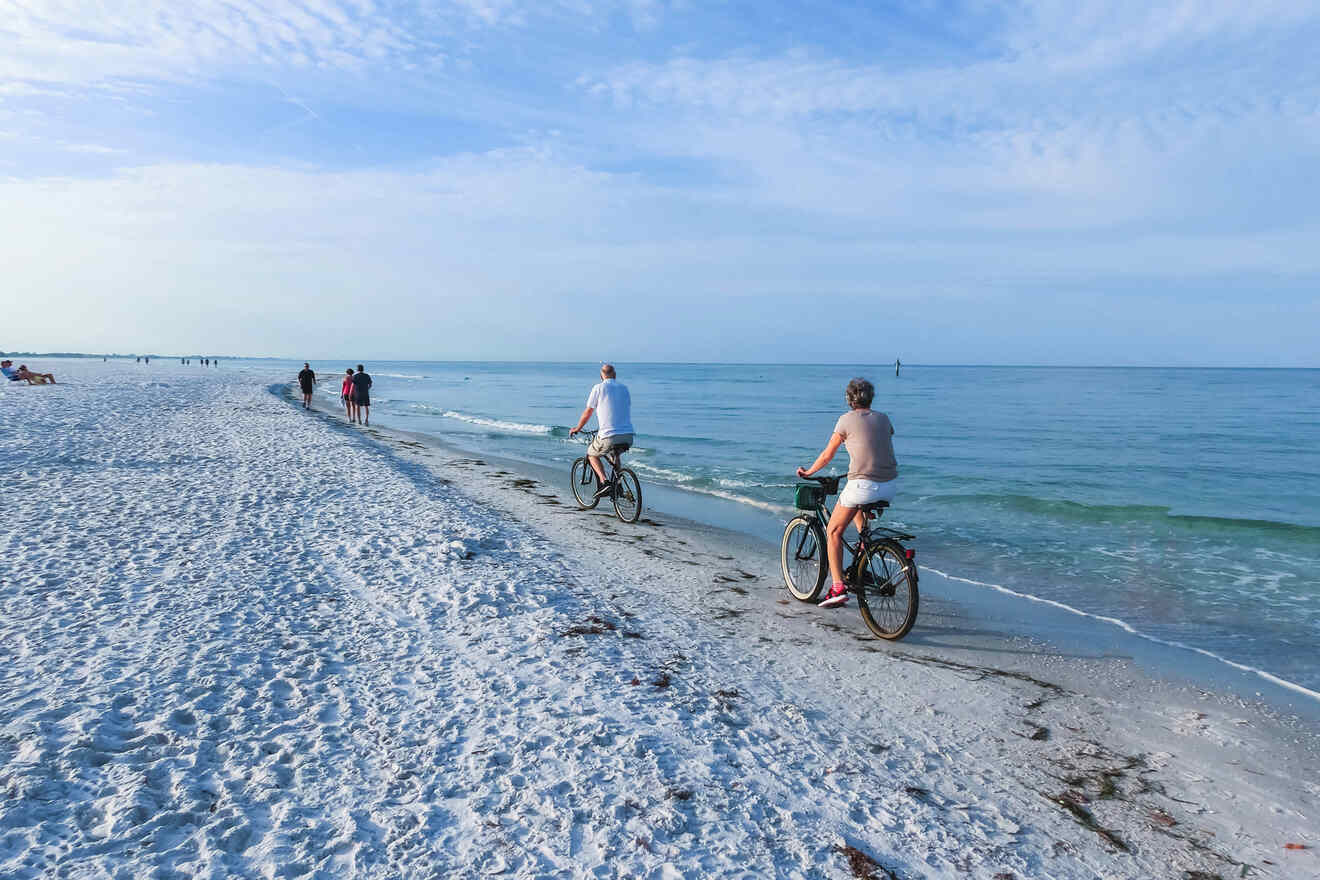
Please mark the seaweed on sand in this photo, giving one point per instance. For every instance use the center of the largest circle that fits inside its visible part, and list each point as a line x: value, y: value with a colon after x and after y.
x: 595, y: 626
x: 864, y: 867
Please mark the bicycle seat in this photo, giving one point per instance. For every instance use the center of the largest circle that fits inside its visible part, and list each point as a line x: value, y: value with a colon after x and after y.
x: 622, y: 447
x: 873, y: 506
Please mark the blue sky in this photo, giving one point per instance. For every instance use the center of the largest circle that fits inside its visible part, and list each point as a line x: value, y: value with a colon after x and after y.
x: 1029, y: 182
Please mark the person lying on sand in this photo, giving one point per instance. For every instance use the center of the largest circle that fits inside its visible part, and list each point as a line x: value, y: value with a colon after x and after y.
x: 23, y: 373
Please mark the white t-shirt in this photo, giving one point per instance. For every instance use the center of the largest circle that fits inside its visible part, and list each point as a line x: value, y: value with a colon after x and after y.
x: 613, y: 405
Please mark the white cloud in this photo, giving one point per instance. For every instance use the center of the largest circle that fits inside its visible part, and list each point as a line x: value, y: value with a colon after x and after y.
x: 82, y: 42
x: 1080, y: 143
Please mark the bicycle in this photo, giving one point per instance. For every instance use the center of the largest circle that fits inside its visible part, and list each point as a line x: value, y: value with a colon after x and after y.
x: 882, y: 573
x: 624, y: 489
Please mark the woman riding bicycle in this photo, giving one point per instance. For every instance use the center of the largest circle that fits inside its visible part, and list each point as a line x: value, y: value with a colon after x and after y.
x: 872, y: 474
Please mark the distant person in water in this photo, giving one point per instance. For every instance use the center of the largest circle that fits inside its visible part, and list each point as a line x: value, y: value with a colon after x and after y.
x: 897, y: 364
x: 362, y: 396
x: 307, y: 382
x: 872, y: 473
x: 346, y: 393
x: 612, y: 403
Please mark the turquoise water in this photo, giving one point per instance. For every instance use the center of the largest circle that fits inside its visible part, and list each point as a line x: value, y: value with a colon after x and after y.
x: 1185, y: 502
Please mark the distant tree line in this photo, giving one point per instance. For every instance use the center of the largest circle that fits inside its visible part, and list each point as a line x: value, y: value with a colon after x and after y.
x: 65, y: 354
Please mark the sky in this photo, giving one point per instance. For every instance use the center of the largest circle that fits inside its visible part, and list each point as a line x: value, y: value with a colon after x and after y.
x: 1031, y: 182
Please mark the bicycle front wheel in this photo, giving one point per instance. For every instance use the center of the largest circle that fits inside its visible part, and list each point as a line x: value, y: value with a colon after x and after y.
x: 627, y: 495
x: 583, y: 480
x: 802, y: 558
x: 887, y: 589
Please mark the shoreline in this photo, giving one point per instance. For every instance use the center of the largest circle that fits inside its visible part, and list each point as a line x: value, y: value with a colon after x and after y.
x: 252, y: 641
x: 1006, y: 614
x: 1090, y: 710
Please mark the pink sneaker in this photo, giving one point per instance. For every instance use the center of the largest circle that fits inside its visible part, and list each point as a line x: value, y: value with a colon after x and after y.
x: 838, y: 595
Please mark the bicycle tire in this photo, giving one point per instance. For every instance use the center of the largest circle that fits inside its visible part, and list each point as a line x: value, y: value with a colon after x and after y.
x: 802, y: 549
x: 627, y: 495
x: 584, y: 483
x: 886, y: 587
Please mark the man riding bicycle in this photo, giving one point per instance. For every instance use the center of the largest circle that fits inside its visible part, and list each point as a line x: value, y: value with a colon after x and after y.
x: 872, y: 474
x: 612, y: 404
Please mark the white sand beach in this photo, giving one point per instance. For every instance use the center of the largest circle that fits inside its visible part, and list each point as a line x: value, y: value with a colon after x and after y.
x: 241, y: 639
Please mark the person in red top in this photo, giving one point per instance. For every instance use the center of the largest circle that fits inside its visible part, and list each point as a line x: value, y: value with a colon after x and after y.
x: 346, y: 393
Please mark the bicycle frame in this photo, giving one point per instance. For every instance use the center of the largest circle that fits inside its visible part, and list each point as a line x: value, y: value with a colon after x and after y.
x: 879, y: 566
x: 823, y: 514
x: 611, y: 458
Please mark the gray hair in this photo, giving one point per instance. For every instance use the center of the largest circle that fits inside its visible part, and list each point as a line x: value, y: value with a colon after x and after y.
x: 607, y: 370
x: 860, y: 393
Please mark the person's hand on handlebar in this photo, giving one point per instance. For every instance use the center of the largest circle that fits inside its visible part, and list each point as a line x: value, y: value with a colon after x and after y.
x: 803, y: 472
x: 573, y: 432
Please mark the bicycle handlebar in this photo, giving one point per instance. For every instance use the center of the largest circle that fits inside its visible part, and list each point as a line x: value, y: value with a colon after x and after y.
x: 829, y: 484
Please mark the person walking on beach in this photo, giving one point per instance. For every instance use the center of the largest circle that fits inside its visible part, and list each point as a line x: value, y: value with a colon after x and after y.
x: 307, y: 381
x: 612, y: 403
x: 872, y: 474
x: 346, y: 393
x: 362, y: 396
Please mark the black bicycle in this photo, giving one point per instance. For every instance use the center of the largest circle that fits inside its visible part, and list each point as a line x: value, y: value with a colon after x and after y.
x: 882, y: 572
x: 622, y: 488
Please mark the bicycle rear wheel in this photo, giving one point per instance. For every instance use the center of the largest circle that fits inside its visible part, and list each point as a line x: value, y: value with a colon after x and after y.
x: 627, y: 495
x: 802, y: 558
x: 887, y: 589
x: 584, y: 482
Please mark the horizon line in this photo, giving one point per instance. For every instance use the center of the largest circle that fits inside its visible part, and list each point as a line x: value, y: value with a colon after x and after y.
x: 915, y: 364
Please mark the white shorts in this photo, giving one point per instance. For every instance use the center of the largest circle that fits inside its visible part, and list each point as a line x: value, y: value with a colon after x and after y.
x: 858, y: 492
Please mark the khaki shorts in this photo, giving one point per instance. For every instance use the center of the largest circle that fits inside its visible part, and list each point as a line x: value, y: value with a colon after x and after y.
x: 601, y: 445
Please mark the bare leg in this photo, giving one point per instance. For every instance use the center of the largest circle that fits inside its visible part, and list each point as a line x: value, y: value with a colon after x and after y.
x: 839, y: 520
x: 368, y: 416
x: 594, y: 461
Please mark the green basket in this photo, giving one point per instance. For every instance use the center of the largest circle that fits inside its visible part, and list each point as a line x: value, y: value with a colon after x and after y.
x: 808, y: 496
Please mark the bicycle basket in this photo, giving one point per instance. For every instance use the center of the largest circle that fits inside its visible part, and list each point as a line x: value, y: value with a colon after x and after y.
x: 808, y: 496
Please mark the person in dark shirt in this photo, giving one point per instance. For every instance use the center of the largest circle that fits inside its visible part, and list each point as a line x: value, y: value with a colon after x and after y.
x: 362, y: 395
x: 307, y: 381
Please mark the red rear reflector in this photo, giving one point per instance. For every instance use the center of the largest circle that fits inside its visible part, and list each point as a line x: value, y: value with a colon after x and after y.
x: 910, y: 553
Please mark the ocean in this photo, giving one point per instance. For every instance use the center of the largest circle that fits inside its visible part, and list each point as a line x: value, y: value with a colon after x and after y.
x: 1184, y: 503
